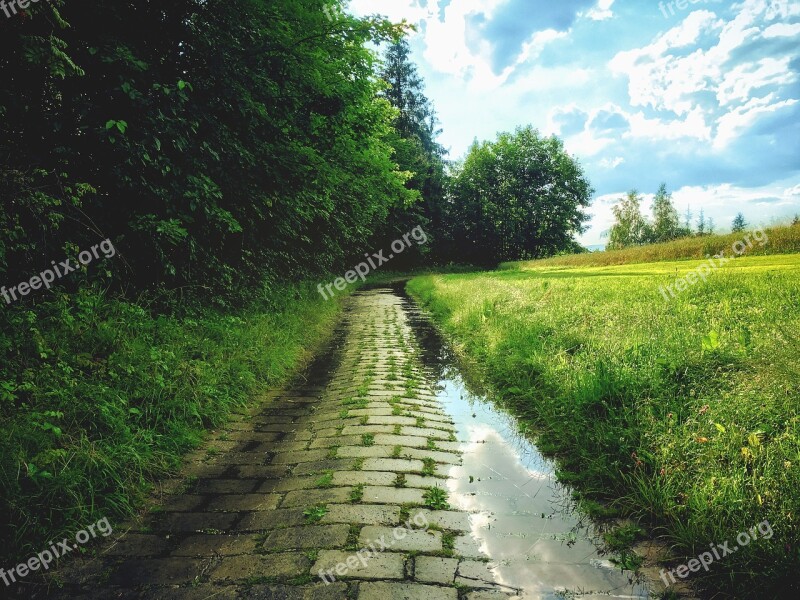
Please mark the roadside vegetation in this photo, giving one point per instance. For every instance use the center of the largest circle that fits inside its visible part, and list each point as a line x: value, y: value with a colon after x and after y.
x: 100, y: 396
x: 782, y: 240
x: 683, y: 414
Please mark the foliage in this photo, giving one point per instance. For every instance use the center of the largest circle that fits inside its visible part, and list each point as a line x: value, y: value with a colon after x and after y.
x: 227, y: 145
x: 519, y: 197
x: 739, y: 224
x: 666, y: 224
x: 630, y: 226
x: 416, y: 152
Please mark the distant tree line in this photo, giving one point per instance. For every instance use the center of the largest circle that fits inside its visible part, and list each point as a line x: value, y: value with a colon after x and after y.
x: 227, y: 146
x: 632, y: 228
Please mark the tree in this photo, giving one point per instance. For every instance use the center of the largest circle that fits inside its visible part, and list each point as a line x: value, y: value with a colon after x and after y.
x: 702, y: 225
x: 666, y: 223
x: 739, y: 224
x: 687, y: 221
x: 416, y: 152
x: 519, y: 197
x: 222, y: 145
x: 630, y: 227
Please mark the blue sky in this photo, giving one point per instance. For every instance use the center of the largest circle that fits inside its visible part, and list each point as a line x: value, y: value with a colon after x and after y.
x: 703, y: 95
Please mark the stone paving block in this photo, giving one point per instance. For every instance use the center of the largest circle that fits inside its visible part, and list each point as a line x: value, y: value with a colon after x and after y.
x: 333, y: 464
x: 312, y: 536
x: 466, y: 546
x: 398, y: 465
x: 450, y: 446
x: 157, y: 571
x: 404, y: 591
x: 293, y: 458
x: 138, y: 545
x: 271, y: 519
x: 363, y: 514
x: 364, y: 478
x: 424, y: 481
x: 343, y: 440
x: 433, y: 569
x: 407, y: 441
x: 242, y: 458
x: 243, y: 502
x: 492, y: 595
x: 425, y: 432
x: 333, y: 591
x: 440, y: 457
x: 446, y: 519
x: 391, y: 420
x: 475, y: 574
x: 280, y: 447
x: 401, y: 539
x: 392, y: 495
x: 360, y: 430
x: 237, y: 568
x: 209, y: 545
x: 195, y: 592
x: 200, y: 469
x: 224, y: 486
x: 338, y: 564
x: 329, y: 432
x: 369, y: 412
x: 289, y: 484
x: 260, y: 471
x: 182, y: 503
x: 364, y: 452
x: 312, y: 497
x: 299, y: 436
x: 253, y: 436
x: 191, y: 522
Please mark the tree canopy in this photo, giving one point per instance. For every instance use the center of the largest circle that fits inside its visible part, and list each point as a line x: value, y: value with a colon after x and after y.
x: 519, y: 197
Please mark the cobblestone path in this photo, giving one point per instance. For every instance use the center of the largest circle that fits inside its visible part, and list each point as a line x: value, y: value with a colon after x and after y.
x: 334, y: 489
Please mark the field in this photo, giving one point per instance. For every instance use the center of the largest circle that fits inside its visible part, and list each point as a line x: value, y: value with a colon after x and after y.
x: 680, y: 412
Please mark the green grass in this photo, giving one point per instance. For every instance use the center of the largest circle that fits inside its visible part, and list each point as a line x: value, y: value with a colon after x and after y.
x: 436, y: 498
x: 101, y: 396
x: 781, y: 240
x: 682, y: 414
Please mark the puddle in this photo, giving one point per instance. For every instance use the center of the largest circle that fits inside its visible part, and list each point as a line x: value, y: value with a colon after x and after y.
x: 526, y: 521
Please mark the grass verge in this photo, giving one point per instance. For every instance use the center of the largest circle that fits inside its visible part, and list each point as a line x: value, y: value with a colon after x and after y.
x: 683, y: 414
x: 99, y: 396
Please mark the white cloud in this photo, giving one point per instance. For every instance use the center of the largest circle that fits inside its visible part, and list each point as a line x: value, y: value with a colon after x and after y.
x: 730, y: 125
x: 602, y: 11
x: 612, y: 163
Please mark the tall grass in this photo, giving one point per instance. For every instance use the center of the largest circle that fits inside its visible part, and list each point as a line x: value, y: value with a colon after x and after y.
x: 782, y: 240
x: 98, y: 396
x: 684, y: 415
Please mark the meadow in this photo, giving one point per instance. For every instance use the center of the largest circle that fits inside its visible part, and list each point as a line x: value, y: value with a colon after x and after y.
x: 681, y: 414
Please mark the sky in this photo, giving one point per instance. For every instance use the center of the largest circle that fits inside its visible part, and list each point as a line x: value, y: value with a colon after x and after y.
x: 703, y: 95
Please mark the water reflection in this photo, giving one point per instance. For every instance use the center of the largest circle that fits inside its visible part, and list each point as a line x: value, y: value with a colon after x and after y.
x: 523, y: 519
